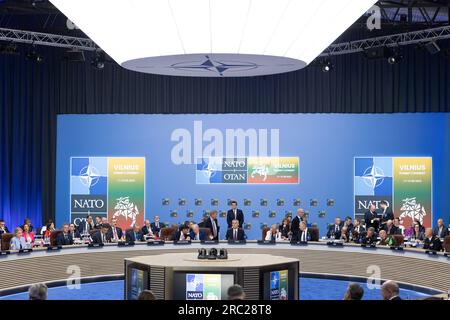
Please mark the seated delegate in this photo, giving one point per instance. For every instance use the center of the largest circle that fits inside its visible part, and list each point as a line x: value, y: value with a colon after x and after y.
x: 273, y: 234
x: 235, y: 232
x: 18, y: 242
x: 64, y: 238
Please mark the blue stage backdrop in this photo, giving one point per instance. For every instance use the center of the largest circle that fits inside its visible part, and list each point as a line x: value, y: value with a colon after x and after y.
x: 175, y: 166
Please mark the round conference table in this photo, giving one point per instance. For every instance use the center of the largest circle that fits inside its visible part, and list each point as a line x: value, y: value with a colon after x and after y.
x: 411, y: 267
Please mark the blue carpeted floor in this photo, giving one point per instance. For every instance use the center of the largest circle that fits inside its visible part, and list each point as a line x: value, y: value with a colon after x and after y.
x: 310, y: 289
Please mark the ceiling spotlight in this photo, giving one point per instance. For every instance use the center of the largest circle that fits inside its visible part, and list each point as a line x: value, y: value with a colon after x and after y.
x: 432, y: 47
x: 74, y: 55
x: 395, y: 58
x: 99, y: 61
x: 34, y: 56
x: 326, y: 65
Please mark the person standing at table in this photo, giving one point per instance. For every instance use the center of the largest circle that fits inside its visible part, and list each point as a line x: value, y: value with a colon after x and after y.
x: 371, y: 218
x: 212, y: 224
x: 235, y: 214
x: 386, y: 213
x: 295, y: 224
x: 86, y: 225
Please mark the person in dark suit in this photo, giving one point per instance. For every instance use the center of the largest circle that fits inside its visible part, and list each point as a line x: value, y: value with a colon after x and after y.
x: 134, y: 235
x: 371, y: 218
x: 73, y: 231
x: 196, y: 233
x: 285, y: 229
x: 235, y: 214
x: 101, y: 236
x: 348, y: 224
x: 64, y: 238
x: 369, y: 237
x: 183, y: 233
x: 357, y: 231
x: 147, y: 228
x: 156, y: 225
x: 390, y: 228
x: 386, y: 213
x: 3, y: 227
x: 235, y: 232
x: 431, y: 242
x: 334, y: 230
x: 86, y: 225
x: 213, y: 225
x: 390, y: 291
x: 295, y: 224
x: 115, y: 233
x: 304, y: 235
x: 201, y: 224
x: 98, y: 222
x: 440, y: 230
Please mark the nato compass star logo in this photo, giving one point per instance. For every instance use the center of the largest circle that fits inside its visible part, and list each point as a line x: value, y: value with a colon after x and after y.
x: 89, y: 176
x: 211, y: 65
x: 373, y: 176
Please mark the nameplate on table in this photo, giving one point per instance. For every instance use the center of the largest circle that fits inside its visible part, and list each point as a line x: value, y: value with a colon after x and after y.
x: 182, y: 242
x: 431, y: 252
x: 209, y: 241
x: 335, y: 244
x: 4, y: 253
x: 54, y: 248
x: 25, y: 250
x: 155, y: 242
x: 125, y: 244
x: 231, y: 241
x: 266, y: 242
x: 299, y: 243
x: 369, y: 246
x: 95, y: 245
x: 396, y: 248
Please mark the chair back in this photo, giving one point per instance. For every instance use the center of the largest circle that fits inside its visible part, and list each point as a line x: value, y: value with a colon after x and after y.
x: 447, y: 244
x: 207, y: 232
x: 53, y: 237
x: 6, y: 241
x: 167, y: 234
x: 314, y: 232
x: 399, y: 239
x: 264, y: 232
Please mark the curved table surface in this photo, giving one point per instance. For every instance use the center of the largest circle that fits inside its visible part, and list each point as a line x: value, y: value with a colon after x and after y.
x: 411, y: 267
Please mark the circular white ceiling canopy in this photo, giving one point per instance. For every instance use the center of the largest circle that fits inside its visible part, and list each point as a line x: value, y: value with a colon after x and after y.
x: 213, y: 38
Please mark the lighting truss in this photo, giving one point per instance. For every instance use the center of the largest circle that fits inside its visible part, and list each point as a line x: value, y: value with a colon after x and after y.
x: 401, y: 39
x: 46, y: 39
x: 394, y: 40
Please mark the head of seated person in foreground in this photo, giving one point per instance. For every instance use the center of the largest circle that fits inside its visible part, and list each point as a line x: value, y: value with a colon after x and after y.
x: 38, y: 292
x: 383, y: 238
x: 146, y: 295
x: 344, y: 234
x: 390, y: 291
x: 354, y: 292
x: 236, y: 292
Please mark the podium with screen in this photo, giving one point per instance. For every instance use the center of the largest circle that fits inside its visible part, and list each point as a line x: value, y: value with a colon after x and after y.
x: 182, y: 276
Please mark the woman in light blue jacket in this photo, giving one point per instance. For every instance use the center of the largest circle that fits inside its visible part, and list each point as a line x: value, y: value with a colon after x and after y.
x: 18, y: 242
